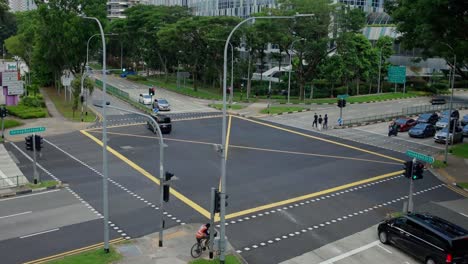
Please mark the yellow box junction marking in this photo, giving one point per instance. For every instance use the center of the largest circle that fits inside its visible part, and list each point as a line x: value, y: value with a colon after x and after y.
x: 322, y: 139
x: 148, y: 175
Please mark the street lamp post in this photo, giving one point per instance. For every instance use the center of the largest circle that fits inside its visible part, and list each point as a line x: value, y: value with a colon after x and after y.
x: 451, y: 105
x: 222, y: 242
x: 380, y: 70
x: 290, y: 66
x: 105, y: 196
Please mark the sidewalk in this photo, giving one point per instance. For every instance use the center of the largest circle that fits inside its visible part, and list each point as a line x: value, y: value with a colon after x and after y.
x: 456, y: 171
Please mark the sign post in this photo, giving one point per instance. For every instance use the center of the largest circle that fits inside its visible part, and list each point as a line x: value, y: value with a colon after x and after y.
x: 27, y: 130
x: 423, y: 158
x: 397, y: 74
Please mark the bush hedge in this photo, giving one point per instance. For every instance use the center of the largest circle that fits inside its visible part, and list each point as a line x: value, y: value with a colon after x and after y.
x: 26, y: 112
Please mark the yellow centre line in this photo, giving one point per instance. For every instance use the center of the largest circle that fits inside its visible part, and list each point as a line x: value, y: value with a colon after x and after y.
x: 72, y: 252
x: 148, y: 175
x: 455, y: 189
x: 311, y: 195
x: 322, y: 139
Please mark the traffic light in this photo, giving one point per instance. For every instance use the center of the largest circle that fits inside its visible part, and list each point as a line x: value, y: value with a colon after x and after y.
x: 166, y: 191
x: 408, y: 168
x: 3, y: 112
x: 217, y: 201
x: 81, y: 99
x: 341, y: 103
x: 39, y: 142
x: 29, y: 142
x: 418, y: 171
x: 168, y: 176
x: 151, y: 91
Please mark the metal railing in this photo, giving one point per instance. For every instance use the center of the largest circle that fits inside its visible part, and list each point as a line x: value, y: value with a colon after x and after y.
x: 14, y: 181
x: 408, y: 111
x: 113, y: 90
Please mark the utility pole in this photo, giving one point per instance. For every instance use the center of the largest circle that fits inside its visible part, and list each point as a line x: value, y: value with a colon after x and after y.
x: 36, y: 174
x: 380, y: 69
x: 410, y: 195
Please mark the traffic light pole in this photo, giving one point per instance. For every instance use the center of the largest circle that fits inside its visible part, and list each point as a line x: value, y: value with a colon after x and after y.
x: 36, y: 175
x: 3, y: 127
x: 410, y: 195
x: 212, y: 215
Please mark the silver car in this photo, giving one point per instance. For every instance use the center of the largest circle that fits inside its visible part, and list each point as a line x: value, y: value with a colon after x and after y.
x: 441, y: 136
x: 442, y: 123
x: 163, y: 105
x: 465, y: 130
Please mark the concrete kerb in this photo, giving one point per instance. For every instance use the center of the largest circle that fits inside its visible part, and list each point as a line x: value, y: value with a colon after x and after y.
x: 31, y: 190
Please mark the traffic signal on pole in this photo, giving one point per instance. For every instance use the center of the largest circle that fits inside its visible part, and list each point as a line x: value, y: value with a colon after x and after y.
x: 39, y: 142
x: 3, y: 112
x: 217, y: 201
x: 29, y: 142
x: 81, y: 99
x: 408, y: 168
x: 418, y: 171
x: 341, y: 103
x: 168, y: 176
x: 166, y: 191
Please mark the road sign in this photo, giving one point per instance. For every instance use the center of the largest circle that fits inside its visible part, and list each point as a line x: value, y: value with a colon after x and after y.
x: 155, y: 110
x: 15, y: 88
x: 419, y: 156
x: 9, y: 77
x: 27, y: 130
x: 343, y: 96
x: 397, y: 74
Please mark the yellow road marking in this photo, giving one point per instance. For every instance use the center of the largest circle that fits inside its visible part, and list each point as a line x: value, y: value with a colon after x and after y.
x: 455, y: 189
x: 308, y: 196
x: 72, y: 252
x: 260, y: 149
x: 148, y: 175
x: 318, y: 138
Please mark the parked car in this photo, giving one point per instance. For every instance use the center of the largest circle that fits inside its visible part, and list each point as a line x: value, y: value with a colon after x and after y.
x: 456, y: 137
x: 422, y: 130
x: 465, y: 131
x: 438, y: 100
x: 427, y: 237
x: 455, y: 114
x: 163, y: 121
x: 145, y: 99
x: 404, y: 124
x: 442, y: 123
x: 430, y: 118
x: 464, y: 120
x: 162, y: 104
x: 126, y: 73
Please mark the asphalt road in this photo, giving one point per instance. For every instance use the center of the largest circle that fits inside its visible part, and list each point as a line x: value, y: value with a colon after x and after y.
x: 290, y: 190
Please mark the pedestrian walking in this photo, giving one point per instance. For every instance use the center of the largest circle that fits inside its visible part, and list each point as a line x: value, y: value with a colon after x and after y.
x: 325, y: 122
x: 320, y: 120
x: 315, y: 120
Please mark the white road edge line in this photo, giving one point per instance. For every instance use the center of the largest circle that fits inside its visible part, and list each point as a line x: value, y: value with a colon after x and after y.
x: 350, y: 253
x: 40, y: 233
x: 464, y: 214
x: 28, y: 212
x: 380, y: 246
x: 26, y: 196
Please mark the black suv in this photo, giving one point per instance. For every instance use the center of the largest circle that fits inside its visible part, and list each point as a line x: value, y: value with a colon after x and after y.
x: 164, y: 124
x: 427, y: 237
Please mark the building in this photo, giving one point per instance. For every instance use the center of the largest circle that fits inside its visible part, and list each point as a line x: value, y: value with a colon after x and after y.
x: 21, y: 5
x: 116, y: 8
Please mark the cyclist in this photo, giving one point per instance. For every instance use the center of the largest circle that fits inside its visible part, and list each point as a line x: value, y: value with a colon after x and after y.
x: 203, y: 234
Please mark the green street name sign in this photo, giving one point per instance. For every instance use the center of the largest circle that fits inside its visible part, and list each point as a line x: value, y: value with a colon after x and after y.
x: 419, y: 156
x: 343, y: 96
x: 397, y: 74
x: 27, y: 130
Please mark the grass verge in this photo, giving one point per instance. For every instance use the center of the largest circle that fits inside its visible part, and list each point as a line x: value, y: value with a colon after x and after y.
x: 233, y: 106
x: 9, y: 123
x: 464, y: 185
x: 230, y: 259
x: 281, y: 109
x: 65, y: 107
x: 96, y: 256
x: 357, y: 99
x: 460, y: 150
x: 42, y: 184
x: 438, y: 164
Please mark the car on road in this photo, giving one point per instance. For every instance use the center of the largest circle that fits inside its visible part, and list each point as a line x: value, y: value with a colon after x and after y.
x: 162, y: 104
x: 430, y: 118
x: 163, y: 121
x: 422, y: 130
x: 442, y: 123
x: 145, y: 99
x: 456, y: 137
x: 455, y: 114
x: 126, y: 73
x: 428, y: 238
x: 465, y: 131
x: 464, y: 120
x: 438, y: 100
x: 404, y: 124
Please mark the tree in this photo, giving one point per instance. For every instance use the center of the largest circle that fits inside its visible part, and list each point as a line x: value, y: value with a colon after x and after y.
x: 332, y: 70
x: 384, y: 47
x: 436, y: 27
x: 7, y: 22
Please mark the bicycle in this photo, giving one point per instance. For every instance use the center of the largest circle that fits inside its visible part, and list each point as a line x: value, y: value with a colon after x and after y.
x: 200, y: 246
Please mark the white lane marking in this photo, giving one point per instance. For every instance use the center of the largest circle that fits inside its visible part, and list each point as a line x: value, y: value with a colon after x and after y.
x: 29, y: 195
x: 399, y: 138
x: 28, y: 212
x: 380, y: 246
x: 40, y: 233
x: 464, y: 214
x: 350, y: 253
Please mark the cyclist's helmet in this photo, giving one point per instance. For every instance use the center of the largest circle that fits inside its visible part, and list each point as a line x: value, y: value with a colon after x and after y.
x: 208, y: 225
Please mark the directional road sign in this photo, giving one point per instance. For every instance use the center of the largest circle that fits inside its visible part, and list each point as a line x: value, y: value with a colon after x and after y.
x: 397, y: 74
x: 27, y: 130
x: 419, y: 156
x: 343, y: 96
